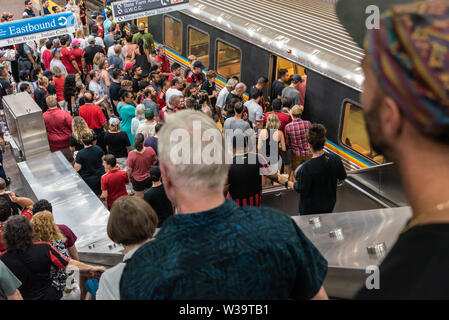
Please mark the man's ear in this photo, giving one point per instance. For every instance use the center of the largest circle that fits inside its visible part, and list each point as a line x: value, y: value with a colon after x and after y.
x: 391, y: 118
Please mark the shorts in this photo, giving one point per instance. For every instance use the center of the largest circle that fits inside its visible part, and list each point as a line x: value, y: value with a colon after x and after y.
x: 286, y: 157
x: 141, y: 185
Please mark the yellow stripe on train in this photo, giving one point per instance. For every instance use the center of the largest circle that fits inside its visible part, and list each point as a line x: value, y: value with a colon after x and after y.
x: 346, y: 156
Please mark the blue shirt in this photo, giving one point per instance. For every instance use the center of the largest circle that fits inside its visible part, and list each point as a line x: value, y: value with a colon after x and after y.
x: 229, y: 252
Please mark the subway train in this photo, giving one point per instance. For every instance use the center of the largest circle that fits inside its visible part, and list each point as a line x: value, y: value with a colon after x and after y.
x: 250, y: 39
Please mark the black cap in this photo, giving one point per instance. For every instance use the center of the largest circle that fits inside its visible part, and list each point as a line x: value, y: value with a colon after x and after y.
x: 199, y: 64
x: 277, y: 104
x: 355, y: 14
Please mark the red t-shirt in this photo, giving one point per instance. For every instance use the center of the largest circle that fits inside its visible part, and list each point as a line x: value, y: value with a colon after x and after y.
x: 114, y: 182
x: 27, y: 213
x: 77, y: 55
x: 59, y: 86
x: 141, y: 163
x: 284, y: 118
x: 59, y: 128
x: 302, y: 91
x: 165, y: 64
x: 93, y: 116
x: 47, y: 57
x: 161, y: 100
x: 66, y: 59
x: 68, y: 234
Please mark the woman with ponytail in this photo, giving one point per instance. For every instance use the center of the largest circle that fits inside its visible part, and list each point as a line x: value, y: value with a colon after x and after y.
x: 139, y: 163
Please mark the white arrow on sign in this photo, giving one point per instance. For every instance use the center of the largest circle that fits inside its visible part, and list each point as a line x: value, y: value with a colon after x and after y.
x: 62, y: 21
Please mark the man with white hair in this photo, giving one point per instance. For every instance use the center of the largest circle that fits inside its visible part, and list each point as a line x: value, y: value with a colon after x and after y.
x: 213, y: 249
x: 238, y: 92
x: 230, y: 86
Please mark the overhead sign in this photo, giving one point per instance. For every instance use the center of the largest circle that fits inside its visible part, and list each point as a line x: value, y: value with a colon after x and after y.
x: 25, y: 30
x: 135, y: 9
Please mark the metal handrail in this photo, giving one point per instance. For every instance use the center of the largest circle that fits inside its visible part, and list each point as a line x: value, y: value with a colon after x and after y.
x: 363, y: 170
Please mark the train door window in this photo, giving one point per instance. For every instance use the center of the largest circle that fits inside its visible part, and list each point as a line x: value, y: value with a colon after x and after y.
x: 228, y: 60
x: 173, y: 33
x: 292, y: 67
x: 354, y: 134
x: 199, y: 45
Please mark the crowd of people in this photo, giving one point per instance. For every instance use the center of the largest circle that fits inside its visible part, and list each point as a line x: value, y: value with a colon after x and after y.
x: 111, y: 101
x: 105, y: 98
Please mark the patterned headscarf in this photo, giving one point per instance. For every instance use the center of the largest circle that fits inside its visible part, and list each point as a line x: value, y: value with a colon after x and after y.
x: 410, y: 55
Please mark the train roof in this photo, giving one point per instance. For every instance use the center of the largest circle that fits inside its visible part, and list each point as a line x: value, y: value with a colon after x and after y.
x: 307, y: 32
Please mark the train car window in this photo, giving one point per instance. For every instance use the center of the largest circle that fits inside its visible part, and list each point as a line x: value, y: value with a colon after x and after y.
x: 199, y: 45
x: 228, y: 60
x: 173, y: 33
x: 354, y: 134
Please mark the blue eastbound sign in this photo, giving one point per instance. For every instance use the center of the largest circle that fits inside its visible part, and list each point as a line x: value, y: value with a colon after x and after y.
x: 36, y: 28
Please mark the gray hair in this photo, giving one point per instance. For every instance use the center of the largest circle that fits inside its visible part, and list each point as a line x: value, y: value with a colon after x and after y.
x: 174, y: 99
x: 117, y: 49
x: 192, y: 173
x: 140, y: 112
x: 231, y: 83
x: 241, y: 87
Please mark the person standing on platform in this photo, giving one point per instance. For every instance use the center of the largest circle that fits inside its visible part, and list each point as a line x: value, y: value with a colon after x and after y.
x: 295, y: 138
x: 148, y: 42
x: 260, y: 85
x: 45, y: 4
x: 127, y: 111
x: 210, y: 228
x: 292, y: 91
x: 406, y: 109
x: 163, y: 60
x: 113, y: 183
x: 279, y: 84
x: 237, y: 93
x: 58, y: 124
x: 94, y: 117
x: 196, y: 75
x: 222, y: 96
x: 157, y: 198
x: 316, y: 180
x: 139, y: 163
x: 28, y: 12
x: 89, y: 165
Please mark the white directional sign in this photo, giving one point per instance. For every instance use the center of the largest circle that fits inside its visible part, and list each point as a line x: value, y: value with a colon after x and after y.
x: 135, y: 9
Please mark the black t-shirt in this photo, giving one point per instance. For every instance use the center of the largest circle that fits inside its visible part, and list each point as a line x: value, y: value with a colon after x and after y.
x: 416, y: 267
x: 114, y: 91
x: 117, y: 143
x: 91, y: 162
x: 135, y: 84
x: 230, y: 96
x: 39, y: 98
x: 158, y: 200
x: 51, y: 89
x: 245, y: 175
x: 316, y: 182
x: 90, y: 52
x: 210, y: 89
x: 277, y: 88
x: 32, y: 268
